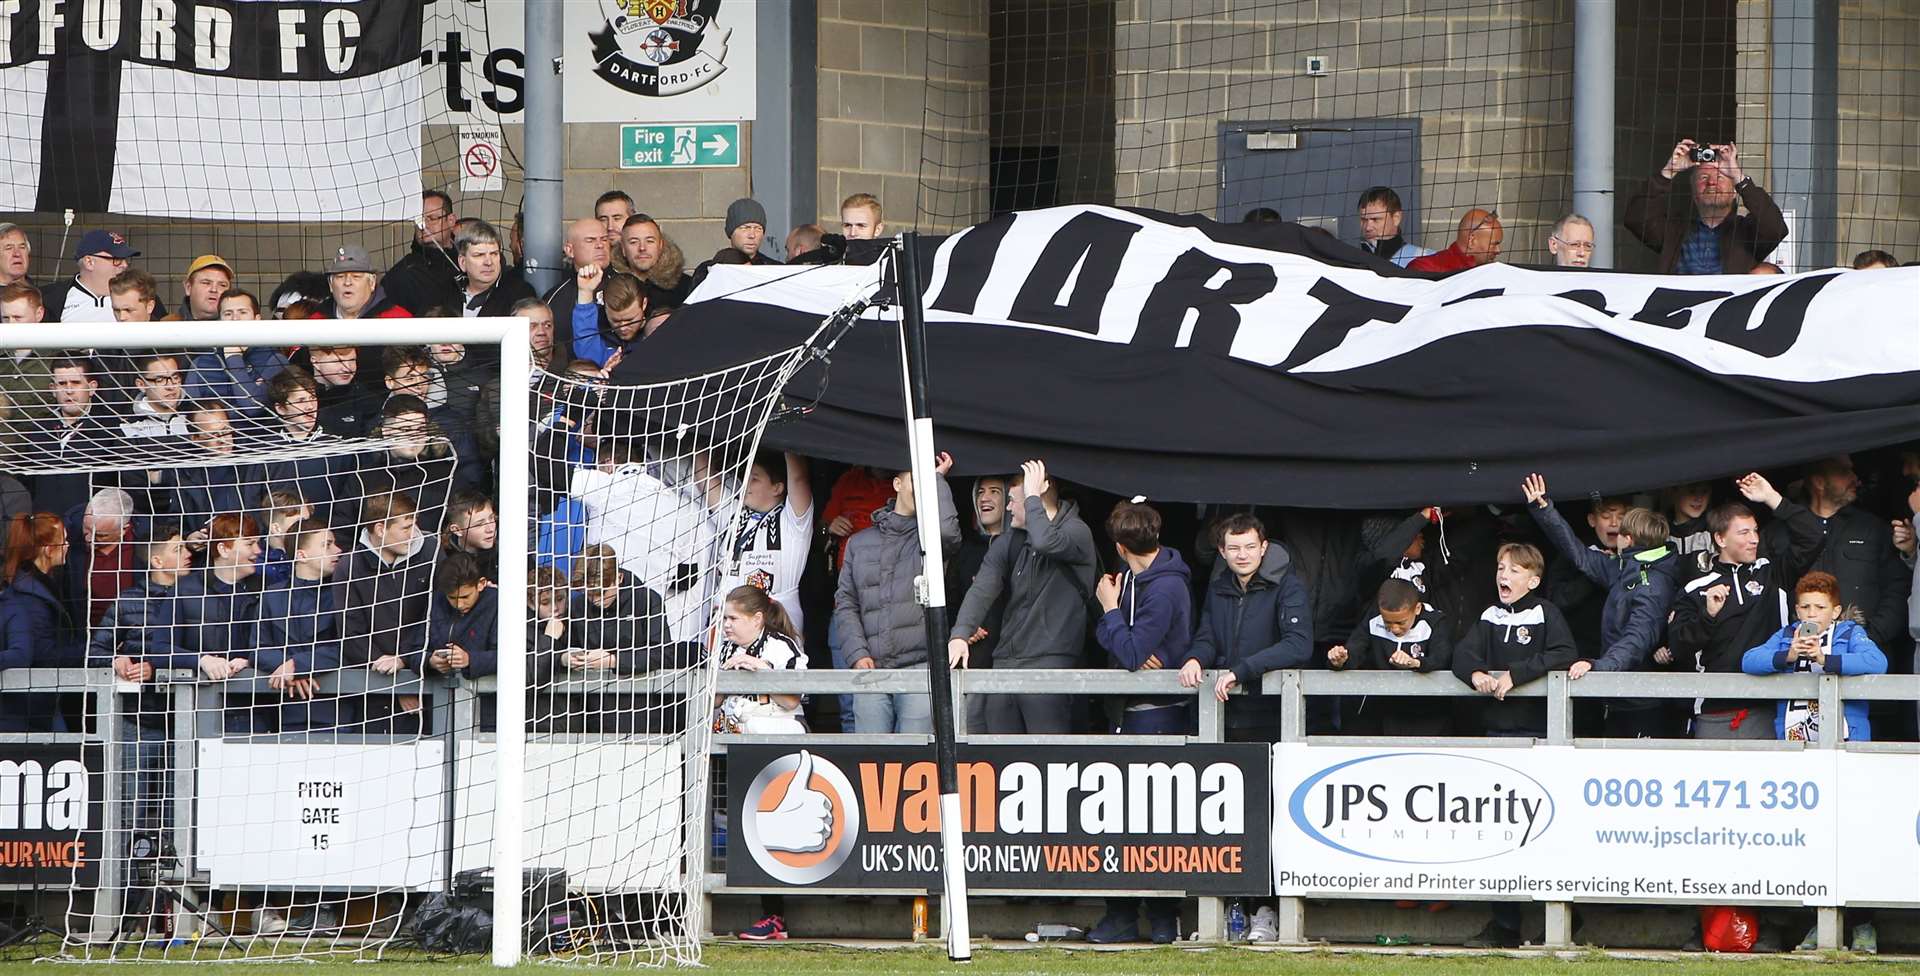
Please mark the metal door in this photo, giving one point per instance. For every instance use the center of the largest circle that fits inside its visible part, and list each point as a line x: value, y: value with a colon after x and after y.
x: 1313, y: 172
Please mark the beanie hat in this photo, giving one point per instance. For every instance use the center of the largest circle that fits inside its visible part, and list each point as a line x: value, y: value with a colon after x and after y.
x: 745, y: 210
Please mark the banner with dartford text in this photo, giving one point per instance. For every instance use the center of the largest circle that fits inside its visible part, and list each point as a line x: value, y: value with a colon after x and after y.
x: 1036, y: 817
x: 50, y: 798
x: 1558, y: 824
x: 1188, y: 360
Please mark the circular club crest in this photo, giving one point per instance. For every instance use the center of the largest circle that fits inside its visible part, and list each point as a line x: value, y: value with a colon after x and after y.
x: 660, y: 47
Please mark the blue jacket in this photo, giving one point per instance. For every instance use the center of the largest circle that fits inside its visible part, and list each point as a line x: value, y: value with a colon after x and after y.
x: 216, y: 617
x: 1849, y: 651
x: 301, y: 622
x: 36, y: 628
x: 593, y: 337
x: 1641, y: 585
x: 142, y: 625
x: 314, y: 477
x: 1265, y: 627
x: 1154, y: 618
x: 239, y: 381
x: 199, y: 494
x: 476, y: 631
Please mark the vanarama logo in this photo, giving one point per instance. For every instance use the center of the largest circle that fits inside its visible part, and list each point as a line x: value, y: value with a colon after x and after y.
x: 1422, y: 808
x: 802, y: 818
x: 660, y: 47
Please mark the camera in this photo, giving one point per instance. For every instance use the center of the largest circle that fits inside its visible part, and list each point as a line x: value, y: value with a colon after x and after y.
x: 1704, y: 154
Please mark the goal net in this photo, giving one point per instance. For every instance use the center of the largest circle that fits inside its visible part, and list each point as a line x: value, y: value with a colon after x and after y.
x: 297, y: 630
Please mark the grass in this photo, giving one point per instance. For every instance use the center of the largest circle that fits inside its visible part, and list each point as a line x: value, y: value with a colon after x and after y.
x: 821, y: 960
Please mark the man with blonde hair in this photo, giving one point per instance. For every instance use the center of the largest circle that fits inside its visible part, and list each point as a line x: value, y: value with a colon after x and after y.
x: 860, y: 218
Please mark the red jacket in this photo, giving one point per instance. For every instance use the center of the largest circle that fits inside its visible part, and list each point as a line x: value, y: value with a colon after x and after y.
x: 856, y: 494
x: 1451, y: 259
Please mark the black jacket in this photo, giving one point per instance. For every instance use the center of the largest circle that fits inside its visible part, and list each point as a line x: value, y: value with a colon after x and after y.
x: 1526, y: 640
x: 426, y: 276
x: 1262, y: 628
x: 497, y: 302
x: 1430, y: 641
x: 387, y: 604
x: 1859, y: 552
x: 1756, y: 607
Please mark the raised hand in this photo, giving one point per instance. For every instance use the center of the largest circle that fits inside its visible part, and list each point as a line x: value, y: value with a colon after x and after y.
x: 1535, y: 488
x: 1681, y: 160
x: 1757, y: 489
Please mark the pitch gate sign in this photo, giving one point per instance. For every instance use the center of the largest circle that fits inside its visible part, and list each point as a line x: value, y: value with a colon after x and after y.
x: 1037, y: 817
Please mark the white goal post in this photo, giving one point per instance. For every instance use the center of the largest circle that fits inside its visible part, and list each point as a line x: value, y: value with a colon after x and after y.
x: 510, y: 335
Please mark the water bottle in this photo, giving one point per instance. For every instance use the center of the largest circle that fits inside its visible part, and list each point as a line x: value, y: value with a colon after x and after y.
x: 1236, y: 922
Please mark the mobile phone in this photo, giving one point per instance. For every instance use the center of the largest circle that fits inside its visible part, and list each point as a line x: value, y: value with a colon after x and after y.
x: 1807, y: 628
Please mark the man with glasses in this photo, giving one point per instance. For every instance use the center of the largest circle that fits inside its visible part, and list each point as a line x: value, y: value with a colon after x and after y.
x: 84, y: 297
x: 1571, y: 243
x: 422, y: 278
x: 1380, y: 218
x: 156, y: 410
x: 1477, y: 243
x: 16, y: 255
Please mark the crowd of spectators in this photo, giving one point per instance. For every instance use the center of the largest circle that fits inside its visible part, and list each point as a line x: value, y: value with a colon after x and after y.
x: 294, y: 513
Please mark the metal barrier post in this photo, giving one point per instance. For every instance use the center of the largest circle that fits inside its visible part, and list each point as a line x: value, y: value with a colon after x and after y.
x: 1559, y: 914
x: 1292, y: 912
x: 107, y: 900
x: 1827, y: 918
x: 184, y: 697
x: 1210, y: 717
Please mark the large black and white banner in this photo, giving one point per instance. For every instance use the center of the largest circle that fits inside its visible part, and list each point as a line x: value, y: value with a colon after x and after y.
x: 250, y: 110
x: 1187, y: 360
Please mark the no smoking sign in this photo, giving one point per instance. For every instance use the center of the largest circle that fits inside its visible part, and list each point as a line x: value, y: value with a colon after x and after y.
x: 480, y: 160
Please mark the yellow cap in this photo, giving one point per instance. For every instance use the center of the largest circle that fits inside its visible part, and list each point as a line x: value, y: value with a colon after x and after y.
x: 206, y: 261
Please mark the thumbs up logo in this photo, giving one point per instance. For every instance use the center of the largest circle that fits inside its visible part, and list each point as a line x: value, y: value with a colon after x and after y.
x: 801, y: 819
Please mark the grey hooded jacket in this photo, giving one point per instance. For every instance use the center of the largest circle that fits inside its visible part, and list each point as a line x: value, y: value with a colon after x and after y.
x: 874, y: 606
x: 1045, y: 624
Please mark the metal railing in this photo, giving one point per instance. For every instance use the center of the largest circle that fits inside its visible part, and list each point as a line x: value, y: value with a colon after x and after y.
x: 454, y: 704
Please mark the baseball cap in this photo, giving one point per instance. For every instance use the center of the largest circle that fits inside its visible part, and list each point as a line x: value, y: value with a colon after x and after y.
x: 104, y: 242
x: 206, y: 261
x: 349, y: 257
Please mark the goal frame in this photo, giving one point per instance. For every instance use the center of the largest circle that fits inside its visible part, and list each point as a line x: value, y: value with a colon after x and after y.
x: 515, y: 368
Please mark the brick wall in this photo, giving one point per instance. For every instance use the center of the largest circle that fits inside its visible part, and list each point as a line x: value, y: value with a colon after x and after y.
x: 902, y: 81
x: 1491, y: 82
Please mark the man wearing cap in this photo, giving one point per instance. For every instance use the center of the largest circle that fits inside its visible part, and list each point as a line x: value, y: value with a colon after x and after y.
x: 16, y: 254
x: 84, y: 297
x: 234, y: 376
x: 208, y: 277
x: 355, y: 288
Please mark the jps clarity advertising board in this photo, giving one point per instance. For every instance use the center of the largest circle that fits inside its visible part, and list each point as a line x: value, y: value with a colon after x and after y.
x: 1879, y: 828
x: 1039, y: 817
x: 1558, y: 824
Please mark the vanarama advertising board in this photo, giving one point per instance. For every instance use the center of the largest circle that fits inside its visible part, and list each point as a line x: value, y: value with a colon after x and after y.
x: 1037, y: 817
x: 1554, y: 823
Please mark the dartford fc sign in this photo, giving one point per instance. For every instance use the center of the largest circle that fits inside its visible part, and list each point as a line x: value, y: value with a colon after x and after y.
x: 1172, y: 818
